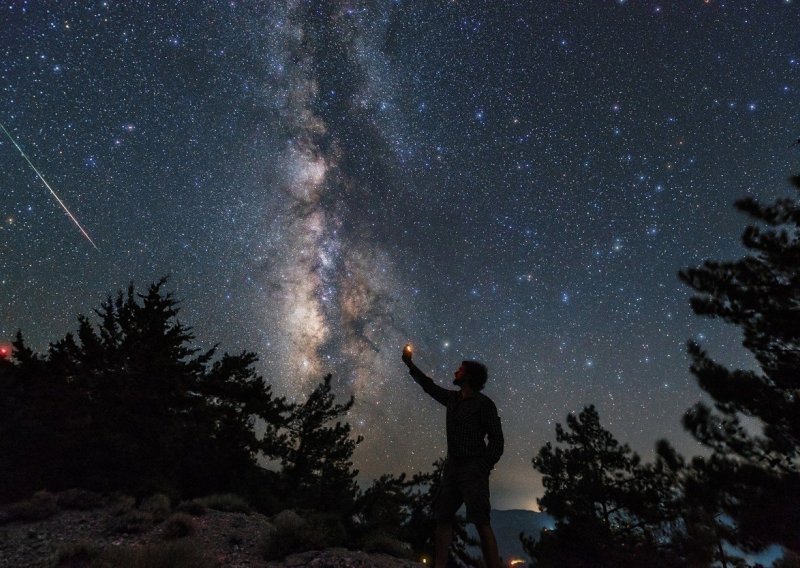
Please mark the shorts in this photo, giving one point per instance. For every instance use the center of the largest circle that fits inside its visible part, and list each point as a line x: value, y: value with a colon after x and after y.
x: 464, y: 480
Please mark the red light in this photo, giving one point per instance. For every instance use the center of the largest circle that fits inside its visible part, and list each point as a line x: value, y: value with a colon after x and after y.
x: 5, y: 352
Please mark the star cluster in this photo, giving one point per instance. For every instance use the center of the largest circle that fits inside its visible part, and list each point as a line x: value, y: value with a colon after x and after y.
x: 516, y: 182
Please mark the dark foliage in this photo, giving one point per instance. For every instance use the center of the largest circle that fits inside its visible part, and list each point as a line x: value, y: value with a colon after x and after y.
x: 400, y: 507
x: 228, y: 502
x: 179, y: 525
x: 79, y: 500
x: 293, y: 533
x: 42, y: 505
x: 193, y: 507
x: 610, y: 509
x: 317, y: 463
x: 76, y: 554
x: 753, y: 474
x: 130, y: 405
x: 132, y: 522
x: 386, y: 505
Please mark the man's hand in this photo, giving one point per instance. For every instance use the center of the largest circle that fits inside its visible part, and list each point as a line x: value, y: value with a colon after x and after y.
x: 407, y: 355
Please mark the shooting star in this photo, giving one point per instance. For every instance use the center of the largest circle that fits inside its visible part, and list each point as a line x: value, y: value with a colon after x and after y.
x: 47, y: 185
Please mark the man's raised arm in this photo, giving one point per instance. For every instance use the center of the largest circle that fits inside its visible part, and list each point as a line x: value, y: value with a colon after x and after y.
x: 440, y: 394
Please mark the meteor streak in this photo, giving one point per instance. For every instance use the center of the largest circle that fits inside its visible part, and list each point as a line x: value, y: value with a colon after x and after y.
x: 47, y: 185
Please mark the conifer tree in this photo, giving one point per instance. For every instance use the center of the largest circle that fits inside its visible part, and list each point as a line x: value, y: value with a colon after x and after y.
x: 609, y: 508
x: 318, y: 470
x: 421, y: 527
x: 129, y: 404
x: 26, y: 437
x: 385, y: 506
x: 754, y: 471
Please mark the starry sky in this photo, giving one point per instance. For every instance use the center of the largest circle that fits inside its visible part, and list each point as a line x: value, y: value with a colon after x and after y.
x: 516, y: 182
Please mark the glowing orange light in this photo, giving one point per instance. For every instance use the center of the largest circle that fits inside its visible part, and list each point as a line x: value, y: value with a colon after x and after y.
x: 408, y: 349
x: 516, y: 562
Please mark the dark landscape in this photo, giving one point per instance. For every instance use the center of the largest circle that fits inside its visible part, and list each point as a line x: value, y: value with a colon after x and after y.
x: 285, y: 283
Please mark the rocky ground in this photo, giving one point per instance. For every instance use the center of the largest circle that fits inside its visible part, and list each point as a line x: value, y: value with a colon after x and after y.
x: 342, y: 558
x: 218, y: 538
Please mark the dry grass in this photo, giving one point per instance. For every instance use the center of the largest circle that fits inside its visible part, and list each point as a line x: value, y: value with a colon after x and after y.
x: 76, y: 554
x: 132, y: 522
x: 42, y: 505
x: 157, y: 505
x: 177, y: 554
x: 227, y: 502
x: 79, y: 500
x: 179, y: 525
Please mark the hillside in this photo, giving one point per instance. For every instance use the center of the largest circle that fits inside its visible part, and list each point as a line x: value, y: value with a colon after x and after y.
x: 54, y: 531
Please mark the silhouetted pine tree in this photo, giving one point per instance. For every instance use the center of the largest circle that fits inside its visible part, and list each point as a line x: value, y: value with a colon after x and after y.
x: 421, y: 527
x: 27, y: 438
x: 317, y: 465
x: 754, y: 472
x: 131, y: 405
x: 695, y: 532
x: 385, y: 506
x: 610, y: 509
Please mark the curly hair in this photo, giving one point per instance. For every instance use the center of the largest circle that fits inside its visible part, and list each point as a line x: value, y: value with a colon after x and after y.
x: 477, y: 373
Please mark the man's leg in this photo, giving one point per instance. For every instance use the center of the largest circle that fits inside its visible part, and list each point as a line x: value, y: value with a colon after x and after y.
x: 489, y: 546
x: 447, y: 501
x: 476, y: 495
x: 444, y: 536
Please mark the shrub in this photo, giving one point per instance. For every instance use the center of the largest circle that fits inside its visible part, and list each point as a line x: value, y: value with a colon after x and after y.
x: 235, y: 539
x: 788, y: 560
x: 386, y: 544
x: 291, y: 533
x: 79, y: 500
x: 121, y: 504
x: 227, y: 502
x: 330, y: 526
x: 76, y: 554
x: 193, y: 507
x: 132, y: 522
x: 179, y: 525
x: 157, y: 505
x: 179, y: 554
x: 288, y: 520
x: 39, y: 507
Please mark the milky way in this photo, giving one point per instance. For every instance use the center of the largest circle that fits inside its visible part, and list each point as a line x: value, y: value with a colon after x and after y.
x: 333, y: 283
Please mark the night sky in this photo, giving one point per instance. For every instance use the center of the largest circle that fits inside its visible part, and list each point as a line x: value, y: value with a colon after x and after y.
x: 516, y: 182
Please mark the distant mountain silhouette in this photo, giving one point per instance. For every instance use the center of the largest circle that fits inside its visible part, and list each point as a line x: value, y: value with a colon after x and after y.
x: 508, y: 524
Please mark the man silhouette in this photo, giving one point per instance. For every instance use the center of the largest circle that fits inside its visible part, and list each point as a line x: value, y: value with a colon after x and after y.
x: 471, y: 419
